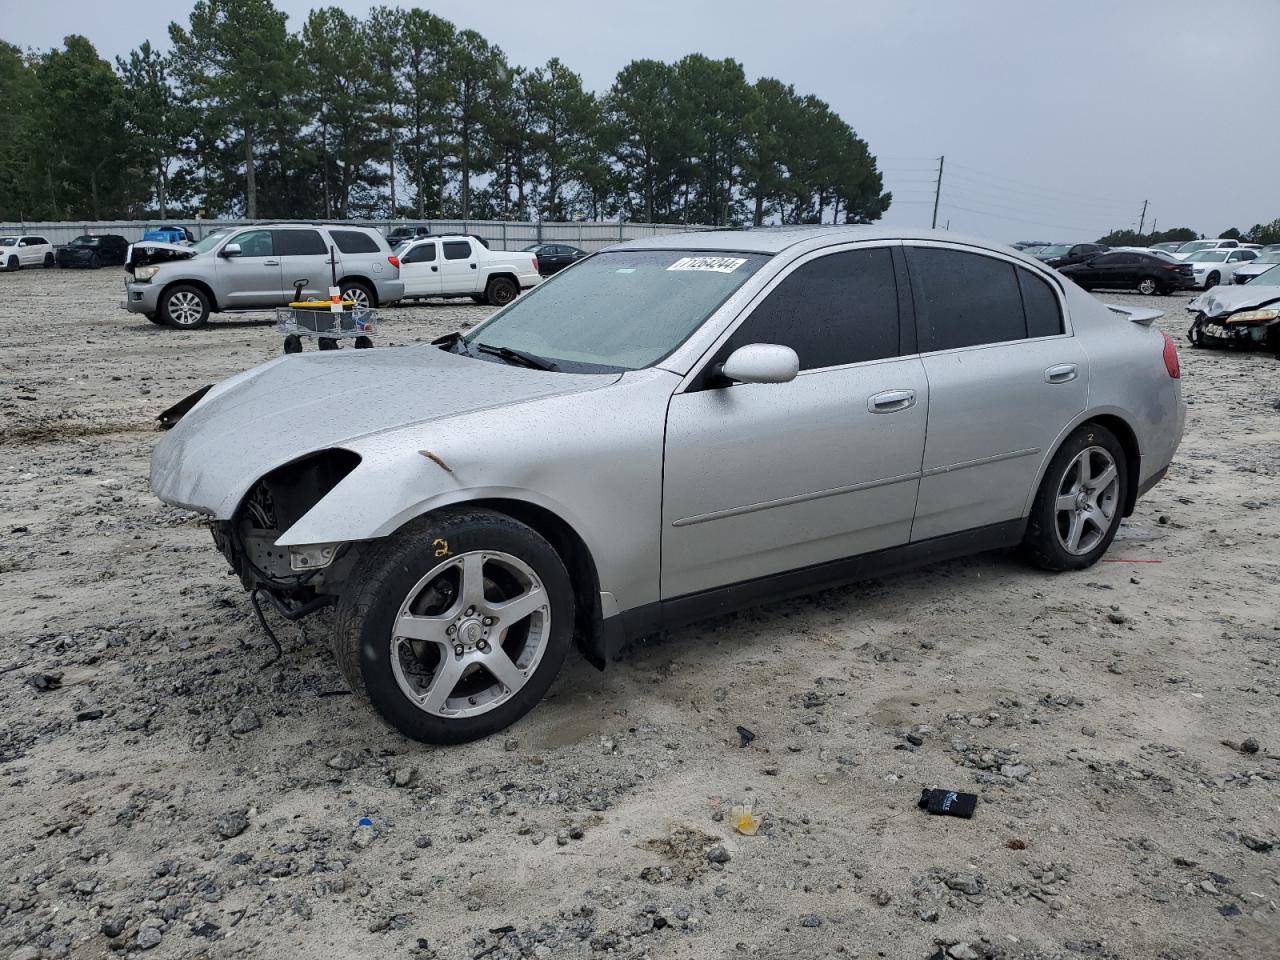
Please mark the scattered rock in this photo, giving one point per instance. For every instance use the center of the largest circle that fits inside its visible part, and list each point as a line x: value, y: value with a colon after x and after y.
x: 245, y: 721
x: 45, y: 682
x: 343, y: 760
x: 718, y: 854
x: 231, y: 825
x: 404, y: 776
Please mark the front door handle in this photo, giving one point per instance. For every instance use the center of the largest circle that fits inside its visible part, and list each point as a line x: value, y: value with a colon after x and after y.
x: 434, y: 269
x: 473, y: 266
x: 891, y: 401
x: 1061, y: 373
x: 271, y: 263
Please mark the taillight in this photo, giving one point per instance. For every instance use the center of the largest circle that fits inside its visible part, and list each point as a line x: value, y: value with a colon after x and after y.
x: 394, y: 261
x: 1171, y: 357
x: 535, y: 264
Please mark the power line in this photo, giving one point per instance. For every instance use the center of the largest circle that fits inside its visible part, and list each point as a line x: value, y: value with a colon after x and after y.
x: 998, y: 216
x: 986, y: 187
x: 1000, y: 179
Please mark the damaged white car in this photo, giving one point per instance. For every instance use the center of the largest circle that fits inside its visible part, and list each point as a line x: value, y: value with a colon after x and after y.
x: 1241, y: 315
x: 672, y: 429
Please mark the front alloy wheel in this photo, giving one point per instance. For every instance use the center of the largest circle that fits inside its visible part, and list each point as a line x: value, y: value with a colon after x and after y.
x: 470, y: 634
x: 455, y: 626
x: 1148, y: 286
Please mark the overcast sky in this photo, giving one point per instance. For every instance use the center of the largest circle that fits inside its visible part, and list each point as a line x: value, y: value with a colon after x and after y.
x: 1057, y: 120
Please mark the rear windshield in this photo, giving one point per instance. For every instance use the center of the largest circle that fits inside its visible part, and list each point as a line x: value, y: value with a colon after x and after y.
x: 619, y: 311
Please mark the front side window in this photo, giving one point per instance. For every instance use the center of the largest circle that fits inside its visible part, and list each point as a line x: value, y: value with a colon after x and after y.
x: 840, y: 308
x: 422, y: 253
x: 300, y: 243
x: 254, y: 243
x: 457, y: 249
x: 618, y: 311
x: 964, y: 299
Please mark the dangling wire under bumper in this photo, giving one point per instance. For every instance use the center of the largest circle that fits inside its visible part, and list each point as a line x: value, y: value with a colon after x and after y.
x: 289, y: 613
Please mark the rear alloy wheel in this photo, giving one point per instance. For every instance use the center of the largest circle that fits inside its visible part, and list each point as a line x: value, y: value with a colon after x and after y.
x: 1148, y: 286
x: 184, y: 307
x: 456, y: 627
x: 1212, y: 280
x: 501, y: 291
x: 361, y: 296
x: 1078, y: 507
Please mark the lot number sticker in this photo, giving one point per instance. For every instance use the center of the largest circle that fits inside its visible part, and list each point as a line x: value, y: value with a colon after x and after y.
x: 712, y: 264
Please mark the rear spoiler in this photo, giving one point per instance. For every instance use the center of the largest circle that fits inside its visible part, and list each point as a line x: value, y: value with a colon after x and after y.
x: 1143, y: 315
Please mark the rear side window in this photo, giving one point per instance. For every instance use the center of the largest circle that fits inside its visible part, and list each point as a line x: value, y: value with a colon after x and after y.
x: 457, y: 249
x: 1044, y: 316
x: 354, y: 241
x: 300, y: 243
x: 964, y: 299
x: 837, y: 309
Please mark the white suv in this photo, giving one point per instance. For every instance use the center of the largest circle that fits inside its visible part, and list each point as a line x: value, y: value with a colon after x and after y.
x: 25, y: 251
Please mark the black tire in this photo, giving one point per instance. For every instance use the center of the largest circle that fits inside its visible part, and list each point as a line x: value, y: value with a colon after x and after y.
x: 13, y: 265
x: 328, y: 343
x: 184, y: 307
x: 48, y: 261
x: 387, y: 573
x: 478, y: 298
x: 154, y: 318
x: 360, y: 292
x: 293, y: 343
x: 501, y: 291
x: 1212, y: 280
x: 94, y: 261
x: 1148, y: 286
x: 1042, y: 542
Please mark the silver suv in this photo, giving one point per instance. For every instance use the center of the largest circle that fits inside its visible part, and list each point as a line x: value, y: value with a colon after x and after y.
x: 257, y: 268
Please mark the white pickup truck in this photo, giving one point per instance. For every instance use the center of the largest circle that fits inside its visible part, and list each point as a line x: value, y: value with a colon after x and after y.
x: 459, y: 266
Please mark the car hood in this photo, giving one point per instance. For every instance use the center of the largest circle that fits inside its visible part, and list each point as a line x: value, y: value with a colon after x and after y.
x: 299, y: 404
x: 155, y: 251
x: 1224, y: 301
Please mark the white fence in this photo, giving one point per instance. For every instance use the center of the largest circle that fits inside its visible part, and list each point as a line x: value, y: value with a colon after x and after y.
x: 501, y: 234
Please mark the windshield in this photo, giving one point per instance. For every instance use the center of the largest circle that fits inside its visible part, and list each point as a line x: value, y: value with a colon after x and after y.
x: 1270, y: 256
x: 209, y: 242
x: 1208, y: 256
x: 531, y: 248
x: 1193, y: 245
x: 1268, y: 278
x: 84, y: 242
x: 1056, y: 250
x: 8, y: 241
x: 618, y: 311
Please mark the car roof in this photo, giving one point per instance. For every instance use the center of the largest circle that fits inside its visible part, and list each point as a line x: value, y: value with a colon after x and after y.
x: 773, y: 240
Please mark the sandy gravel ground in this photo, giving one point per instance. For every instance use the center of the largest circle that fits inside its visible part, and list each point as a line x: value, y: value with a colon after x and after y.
x: 164, y: 796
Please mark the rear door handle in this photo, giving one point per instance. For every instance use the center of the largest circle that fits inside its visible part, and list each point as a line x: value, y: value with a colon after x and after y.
x: 1061, y: 373
x: 891, y: 401
x: 271, y: 263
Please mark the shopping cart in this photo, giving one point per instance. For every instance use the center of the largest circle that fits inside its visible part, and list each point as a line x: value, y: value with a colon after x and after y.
x: 329, y: 320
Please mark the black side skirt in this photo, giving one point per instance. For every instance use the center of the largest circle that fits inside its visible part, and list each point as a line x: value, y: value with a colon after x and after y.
x: 669, y: 614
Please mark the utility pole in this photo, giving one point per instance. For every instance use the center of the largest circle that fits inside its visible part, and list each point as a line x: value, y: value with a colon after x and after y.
x: 1154, y: 221
x: 937, y: 193
x: 1143, y: 219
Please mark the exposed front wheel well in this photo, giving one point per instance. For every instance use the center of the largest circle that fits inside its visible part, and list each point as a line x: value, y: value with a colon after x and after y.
x: 1133, y: 458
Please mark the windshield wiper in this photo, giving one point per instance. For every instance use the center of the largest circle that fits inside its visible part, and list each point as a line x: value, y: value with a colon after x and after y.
x: 516, y: 358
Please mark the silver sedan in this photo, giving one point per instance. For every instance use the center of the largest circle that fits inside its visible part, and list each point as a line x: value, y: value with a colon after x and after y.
x: 666, y: 430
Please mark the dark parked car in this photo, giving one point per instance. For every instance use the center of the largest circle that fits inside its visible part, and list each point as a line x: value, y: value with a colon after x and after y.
x: 108, y: 250
x: 1057, y: 256
x: 1131, y: 271
x: 408, y: 232
x: 554, y: 257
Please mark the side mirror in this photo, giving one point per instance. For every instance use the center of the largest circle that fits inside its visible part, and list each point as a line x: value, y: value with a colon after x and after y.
x: 761, y: 363
x: 230, y: 250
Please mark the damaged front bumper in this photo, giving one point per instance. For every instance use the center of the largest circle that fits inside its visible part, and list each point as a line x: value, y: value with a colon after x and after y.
x: 1236, y: 316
